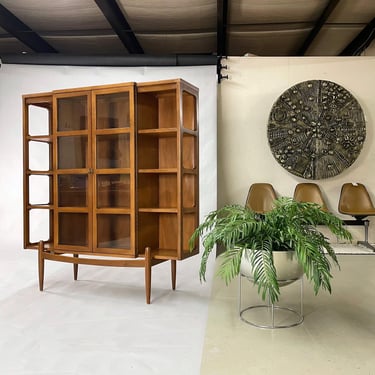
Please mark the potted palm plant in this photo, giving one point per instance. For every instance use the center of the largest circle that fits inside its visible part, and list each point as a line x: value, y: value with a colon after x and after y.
x: 290, y: 227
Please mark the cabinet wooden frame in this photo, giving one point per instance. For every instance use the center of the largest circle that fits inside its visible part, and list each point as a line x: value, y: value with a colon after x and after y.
x: 122, y: 175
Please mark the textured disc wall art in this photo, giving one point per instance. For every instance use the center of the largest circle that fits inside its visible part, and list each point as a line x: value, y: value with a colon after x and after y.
x: 316, y: 129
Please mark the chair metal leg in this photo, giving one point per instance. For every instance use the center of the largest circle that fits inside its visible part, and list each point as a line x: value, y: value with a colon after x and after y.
x: 365, y: 242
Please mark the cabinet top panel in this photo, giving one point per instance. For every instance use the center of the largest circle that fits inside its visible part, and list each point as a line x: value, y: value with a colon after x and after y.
x: 154, y: 85
x: 43, y: 99
x: 166, y: 84
x: 124, y: 85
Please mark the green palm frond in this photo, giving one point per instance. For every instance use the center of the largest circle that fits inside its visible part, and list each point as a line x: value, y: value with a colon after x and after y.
x: 230, y: 266
x: 264, y: 271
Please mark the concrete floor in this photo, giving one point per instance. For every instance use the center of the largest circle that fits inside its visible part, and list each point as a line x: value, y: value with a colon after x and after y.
x: 336, y: 337
x: 101, y: 324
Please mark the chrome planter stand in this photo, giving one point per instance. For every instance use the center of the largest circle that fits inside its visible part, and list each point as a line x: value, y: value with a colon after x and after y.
x: 272, y: 316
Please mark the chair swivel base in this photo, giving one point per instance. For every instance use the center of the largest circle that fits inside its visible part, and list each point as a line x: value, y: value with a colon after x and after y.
x: 366, y: 224
x: 366, y: 244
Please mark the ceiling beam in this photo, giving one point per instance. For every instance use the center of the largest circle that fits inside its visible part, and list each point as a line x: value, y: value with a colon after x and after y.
x: 318, y: 25
x: 107, y: 60
x: 222, y: 16
x: 15, y: 27
x: 361, y: 41
x: 120, y: 25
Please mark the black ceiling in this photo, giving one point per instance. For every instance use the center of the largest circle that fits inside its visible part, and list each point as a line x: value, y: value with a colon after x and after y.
x: 183, y: 32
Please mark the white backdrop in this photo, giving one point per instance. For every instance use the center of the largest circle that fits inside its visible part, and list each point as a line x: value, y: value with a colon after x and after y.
x: 16, y: 80
x: 244, y: 104
x: 30, y: 321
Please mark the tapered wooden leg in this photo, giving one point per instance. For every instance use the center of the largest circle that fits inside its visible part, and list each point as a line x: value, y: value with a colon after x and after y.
x: 41, y: 265
x: 75, y: 268
x: 148, y: 274
x: 173, y: 273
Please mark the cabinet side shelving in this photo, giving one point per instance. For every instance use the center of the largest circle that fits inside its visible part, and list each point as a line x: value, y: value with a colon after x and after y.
x: 38, y: 176
x: 167, y: 140
x: 189, y: 146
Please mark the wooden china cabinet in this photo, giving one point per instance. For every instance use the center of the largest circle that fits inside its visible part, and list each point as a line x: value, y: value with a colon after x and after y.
x: 111, y: 175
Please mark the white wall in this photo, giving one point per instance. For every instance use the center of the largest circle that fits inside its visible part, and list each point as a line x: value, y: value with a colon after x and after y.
x: 244, y: 104
x: 16, y: 80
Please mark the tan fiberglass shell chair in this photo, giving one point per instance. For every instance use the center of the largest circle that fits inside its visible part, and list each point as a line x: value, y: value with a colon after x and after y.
x: 260, y: 197
x: 309, y: 192
x: 355, y: 201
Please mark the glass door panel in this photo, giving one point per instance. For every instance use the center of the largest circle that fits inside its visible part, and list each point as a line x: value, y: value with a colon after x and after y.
x: 113, y: 231
x: 113, y: 172
x: 72, y: 182
x: 112, y: 151
x: 112, y: 111
x: 72, y: 152
x: 113, y: 190
x: 73, y: 228
x: 72, y: 113
x: 72, y: 190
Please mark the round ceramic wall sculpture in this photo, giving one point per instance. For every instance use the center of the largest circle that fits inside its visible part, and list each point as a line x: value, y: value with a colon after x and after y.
x: 316, y: 129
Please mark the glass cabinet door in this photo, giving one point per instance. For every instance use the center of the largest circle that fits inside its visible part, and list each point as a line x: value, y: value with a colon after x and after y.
x: 73, y: 167
x: 113, y: 172
x: 94, y: 184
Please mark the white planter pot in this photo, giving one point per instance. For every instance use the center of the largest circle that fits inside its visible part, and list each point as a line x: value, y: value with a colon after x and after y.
x: 287, y: 267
